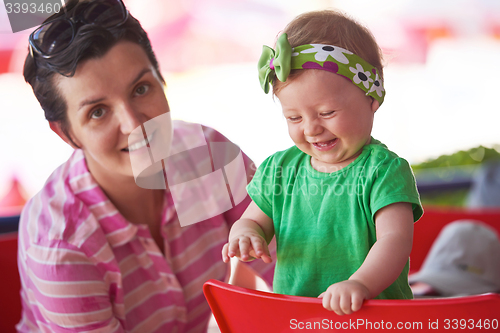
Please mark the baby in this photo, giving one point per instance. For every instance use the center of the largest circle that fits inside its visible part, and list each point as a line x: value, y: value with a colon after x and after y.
x: 341, y: 205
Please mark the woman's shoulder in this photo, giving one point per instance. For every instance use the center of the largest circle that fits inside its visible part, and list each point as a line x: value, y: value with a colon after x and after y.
x: 195, y: 133
x: 55, y: 213
x: 188, y: 136
x: 184, y: 129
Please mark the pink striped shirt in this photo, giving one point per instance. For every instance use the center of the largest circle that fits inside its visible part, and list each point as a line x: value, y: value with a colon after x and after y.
x: 83, y: 267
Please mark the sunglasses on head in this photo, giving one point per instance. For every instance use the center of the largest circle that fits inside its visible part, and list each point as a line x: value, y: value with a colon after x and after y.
x: 53, y: 37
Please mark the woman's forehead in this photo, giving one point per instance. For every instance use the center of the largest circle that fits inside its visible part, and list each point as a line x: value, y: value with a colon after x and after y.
x: 119, y: 60
x: 115, y: 70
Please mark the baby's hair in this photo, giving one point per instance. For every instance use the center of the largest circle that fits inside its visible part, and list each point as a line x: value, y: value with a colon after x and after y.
x: 333, y: 28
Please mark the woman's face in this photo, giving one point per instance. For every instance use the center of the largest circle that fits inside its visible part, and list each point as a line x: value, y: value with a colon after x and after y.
x: 107, y: 99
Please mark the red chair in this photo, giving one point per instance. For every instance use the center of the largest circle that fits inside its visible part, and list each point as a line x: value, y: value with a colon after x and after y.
x: 10, y: 301
x: 243, y: 310
x: 434, y: 219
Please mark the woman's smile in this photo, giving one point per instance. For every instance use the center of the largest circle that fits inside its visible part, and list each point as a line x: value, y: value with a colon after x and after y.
x: 139, y: 144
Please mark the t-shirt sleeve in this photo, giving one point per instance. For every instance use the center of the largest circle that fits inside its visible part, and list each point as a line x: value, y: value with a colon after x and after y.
x: 262, y: 186
x: 395, y: 182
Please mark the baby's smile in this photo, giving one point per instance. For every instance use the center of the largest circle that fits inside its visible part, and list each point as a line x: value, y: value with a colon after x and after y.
x: 325, y: 145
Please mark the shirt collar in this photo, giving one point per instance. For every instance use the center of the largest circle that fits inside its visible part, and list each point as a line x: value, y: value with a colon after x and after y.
x: 117, y: 229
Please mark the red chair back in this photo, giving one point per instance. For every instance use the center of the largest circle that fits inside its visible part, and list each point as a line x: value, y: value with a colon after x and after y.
x: 243, y: 310
x: 434, y: 219
x: 10, y: 301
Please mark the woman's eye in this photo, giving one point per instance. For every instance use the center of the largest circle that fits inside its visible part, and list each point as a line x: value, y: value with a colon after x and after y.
x: 141, y: 90
x: 98, y: 113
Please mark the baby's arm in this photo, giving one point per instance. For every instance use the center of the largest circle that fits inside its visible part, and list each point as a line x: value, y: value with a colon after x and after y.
x: 383, y: 264
x: 249, y: 236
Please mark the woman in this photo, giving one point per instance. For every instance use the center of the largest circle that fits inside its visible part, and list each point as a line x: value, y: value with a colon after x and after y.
x: 97, y: 252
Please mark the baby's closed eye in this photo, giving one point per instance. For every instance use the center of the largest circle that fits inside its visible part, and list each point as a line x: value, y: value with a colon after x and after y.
x: 294, y: 119
x: 327, y: 114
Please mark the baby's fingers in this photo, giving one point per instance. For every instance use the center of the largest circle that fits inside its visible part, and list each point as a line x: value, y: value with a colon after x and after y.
x: 260, y: 249
x: 245, y: 248
x: 328, y: 300
x: 266, y: 258
x: 335, y: 301
x: 248, y: 248
x: 240, y: 248
x: 345, y: 305
x: 357, y: 302
x: 234, y: 248
x: 225, y: 251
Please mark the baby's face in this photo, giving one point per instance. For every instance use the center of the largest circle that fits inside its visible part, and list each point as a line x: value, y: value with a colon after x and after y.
x: 328, y: 118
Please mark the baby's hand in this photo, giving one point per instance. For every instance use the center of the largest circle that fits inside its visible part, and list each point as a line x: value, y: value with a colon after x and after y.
x: 345, y: 297
x: 246, y: 247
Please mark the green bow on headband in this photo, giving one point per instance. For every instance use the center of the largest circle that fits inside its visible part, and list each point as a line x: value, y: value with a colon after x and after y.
x: 272, y: 62
x: 330, y: 58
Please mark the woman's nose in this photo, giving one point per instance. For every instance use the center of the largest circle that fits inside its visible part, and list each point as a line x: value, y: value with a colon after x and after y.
x: 312, y: 127
x: 130, y: 119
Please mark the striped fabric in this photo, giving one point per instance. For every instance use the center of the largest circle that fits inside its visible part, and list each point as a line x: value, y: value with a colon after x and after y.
x: 83, y: 267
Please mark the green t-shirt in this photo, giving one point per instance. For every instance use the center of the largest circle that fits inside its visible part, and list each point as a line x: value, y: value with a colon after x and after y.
x: 324, y: 222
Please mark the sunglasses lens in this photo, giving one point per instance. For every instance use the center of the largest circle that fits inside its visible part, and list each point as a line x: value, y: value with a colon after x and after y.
x: 53, y: 37
x: 106, y: 13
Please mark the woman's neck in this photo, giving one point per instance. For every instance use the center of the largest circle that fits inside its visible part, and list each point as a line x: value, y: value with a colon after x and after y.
x: 137, y: 205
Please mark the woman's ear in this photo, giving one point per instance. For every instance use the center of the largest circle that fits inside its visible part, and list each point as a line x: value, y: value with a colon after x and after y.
x: 56, y: 127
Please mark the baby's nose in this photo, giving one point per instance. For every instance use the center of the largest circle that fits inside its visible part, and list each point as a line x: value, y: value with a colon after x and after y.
x: 313, y: 128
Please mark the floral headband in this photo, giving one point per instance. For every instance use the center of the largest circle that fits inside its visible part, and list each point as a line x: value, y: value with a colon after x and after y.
x: 330, y: 58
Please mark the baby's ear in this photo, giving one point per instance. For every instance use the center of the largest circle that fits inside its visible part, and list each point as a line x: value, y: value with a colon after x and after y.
x: 375, y: 105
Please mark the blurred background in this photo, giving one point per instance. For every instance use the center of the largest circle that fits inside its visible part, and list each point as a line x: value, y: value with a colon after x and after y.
x: 442, y: 76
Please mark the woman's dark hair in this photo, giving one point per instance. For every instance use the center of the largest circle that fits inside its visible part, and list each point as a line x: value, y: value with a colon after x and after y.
x: 90, y: 42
